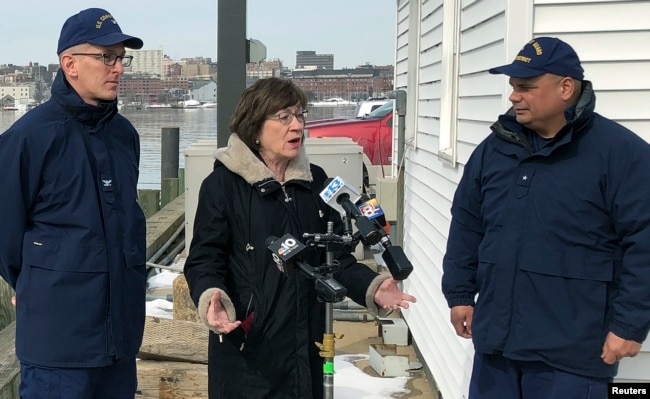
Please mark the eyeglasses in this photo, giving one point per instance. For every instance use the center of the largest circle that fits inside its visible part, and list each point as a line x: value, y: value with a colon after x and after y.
x: 110, y: 59
x: 286, y: 117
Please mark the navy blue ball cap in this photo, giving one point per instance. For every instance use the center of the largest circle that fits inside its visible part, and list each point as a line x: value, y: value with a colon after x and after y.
x: 94, y: 26
x: 543, y: 55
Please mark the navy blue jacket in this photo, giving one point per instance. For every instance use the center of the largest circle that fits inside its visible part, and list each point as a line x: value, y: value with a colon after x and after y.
x: 73, y: 241
x: 555, y: 242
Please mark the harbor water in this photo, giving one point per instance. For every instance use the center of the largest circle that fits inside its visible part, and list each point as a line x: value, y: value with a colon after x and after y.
x: 194, y: 124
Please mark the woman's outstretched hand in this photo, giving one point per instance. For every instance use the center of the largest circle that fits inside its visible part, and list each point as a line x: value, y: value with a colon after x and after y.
x: 389, y: 296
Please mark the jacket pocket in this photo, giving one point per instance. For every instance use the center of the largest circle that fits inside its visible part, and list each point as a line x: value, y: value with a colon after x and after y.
x: 134, y: 257
x: 524, y: 180
x: 48, y: 254
x: 561, y: 302
x: 580, y: 265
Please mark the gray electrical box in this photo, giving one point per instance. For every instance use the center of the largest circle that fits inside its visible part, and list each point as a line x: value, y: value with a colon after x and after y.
x: 199, y: 162
x: 338, y: 156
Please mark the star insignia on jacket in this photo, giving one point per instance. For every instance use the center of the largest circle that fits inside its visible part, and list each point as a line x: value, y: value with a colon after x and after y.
x: 524, y: 177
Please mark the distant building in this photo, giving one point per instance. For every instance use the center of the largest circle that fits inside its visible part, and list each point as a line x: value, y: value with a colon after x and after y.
x: 306, y: 59
x: 203, y: 91
x: 266, y: 69
x: 351, y: 84
x: 146, y: 62
x: 17, y: 93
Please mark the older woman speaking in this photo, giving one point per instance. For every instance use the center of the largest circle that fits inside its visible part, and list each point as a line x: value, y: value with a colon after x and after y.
x: 264, y: 322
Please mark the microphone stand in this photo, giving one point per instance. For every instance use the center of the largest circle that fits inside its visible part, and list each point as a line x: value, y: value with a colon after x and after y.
x: 327, y: 347
x: 331, y: 242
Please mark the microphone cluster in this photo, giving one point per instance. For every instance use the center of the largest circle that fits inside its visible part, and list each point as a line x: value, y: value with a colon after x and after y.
x: 286, y: 255
x: 370, y: 222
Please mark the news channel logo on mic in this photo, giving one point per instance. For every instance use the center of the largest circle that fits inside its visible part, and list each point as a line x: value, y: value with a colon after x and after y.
x: 371, y: 209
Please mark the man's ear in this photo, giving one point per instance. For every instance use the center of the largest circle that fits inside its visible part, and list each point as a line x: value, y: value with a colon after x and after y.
x: 69, y: 65
x: 568, y: 87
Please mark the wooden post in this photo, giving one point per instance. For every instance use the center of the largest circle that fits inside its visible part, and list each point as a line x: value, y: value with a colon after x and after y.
x: 169, y: 140
x: 169, y: 190
x: 181, y: 180
x: 149, y: 201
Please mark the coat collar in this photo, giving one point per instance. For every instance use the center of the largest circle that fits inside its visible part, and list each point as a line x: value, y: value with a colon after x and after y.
x: 241, y: 160
x: 578, y: 116
x: 85, y: 113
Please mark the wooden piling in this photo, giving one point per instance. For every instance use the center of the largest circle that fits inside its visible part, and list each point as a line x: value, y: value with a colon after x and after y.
x: 149, y: 201
x: 169, y: 145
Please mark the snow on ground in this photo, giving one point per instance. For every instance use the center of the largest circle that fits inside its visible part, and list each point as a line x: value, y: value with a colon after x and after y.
x: 164, y: 279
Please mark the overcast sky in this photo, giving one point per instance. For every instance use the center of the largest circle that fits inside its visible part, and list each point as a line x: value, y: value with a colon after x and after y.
x: 355, y: 31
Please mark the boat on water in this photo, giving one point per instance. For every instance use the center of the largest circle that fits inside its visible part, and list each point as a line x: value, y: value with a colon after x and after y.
x: 332, y: 102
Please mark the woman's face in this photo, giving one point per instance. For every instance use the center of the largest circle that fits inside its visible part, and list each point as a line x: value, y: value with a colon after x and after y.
x: 281, y: 135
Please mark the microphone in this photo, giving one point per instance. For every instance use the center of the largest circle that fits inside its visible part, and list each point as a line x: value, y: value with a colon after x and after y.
x: 370, y: 208
x: 337, y: 189
x: 398, y: 264
x: 284, y: 251
x: 336, y: 194
x: 342, y: 196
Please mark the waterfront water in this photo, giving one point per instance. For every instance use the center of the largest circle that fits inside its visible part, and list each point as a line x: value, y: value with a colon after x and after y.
x: 194, y: 124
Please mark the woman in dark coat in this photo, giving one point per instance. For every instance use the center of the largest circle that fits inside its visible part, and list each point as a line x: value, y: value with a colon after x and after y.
x: 264, y: 322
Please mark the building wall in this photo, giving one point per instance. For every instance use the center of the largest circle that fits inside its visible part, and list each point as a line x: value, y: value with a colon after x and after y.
x: 17, y: 92
x: 442, y: 58
x: 207, y: 92
x: 146, y: 62
x: 310, y: 58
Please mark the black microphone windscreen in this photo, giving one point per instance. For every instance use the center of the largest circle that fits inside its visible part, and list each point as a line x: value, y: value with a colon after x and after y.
x: 327, y: 182
x: 270, y: 240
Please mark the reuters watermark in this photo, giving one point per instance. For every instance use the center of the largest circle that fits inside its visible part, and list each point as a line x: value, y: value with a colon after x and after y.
x: 628, y: 390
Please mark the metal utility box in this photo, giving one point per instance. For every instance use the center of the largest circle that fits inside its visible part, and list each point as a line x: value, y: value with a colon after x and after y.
x: 387, y: 362
x: 393, y: 330
x: 199, y: 162
x: 387, y: 197
x: 339, y: 156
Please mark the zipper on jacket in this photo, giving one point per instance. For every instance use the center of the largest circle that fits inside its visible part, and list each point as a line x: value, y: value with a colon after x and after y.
x: 516, y: 139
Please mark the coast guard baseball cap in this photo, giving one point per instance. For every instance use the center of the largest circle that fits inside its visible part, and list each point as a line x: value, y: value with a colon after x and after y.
x: 543, y: 55
x: 94, y: 26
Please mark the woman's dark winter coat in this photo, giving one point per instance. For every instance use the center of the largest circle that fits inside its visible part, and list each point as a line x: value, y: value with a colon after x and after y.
x: 240, y: 206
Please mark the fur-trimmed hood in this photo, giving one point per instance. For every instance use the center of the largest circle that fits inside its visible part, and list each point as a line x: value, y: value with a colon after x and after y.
x: 241, y: 160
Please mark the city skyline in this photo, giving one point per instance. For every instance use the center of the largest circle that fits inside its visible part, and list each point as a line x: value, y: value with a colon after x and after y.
x: 188, y: 29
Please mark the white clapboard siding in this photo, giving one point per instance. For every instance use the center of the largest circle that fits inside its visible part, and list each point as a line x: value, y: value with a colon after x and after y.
x: 636, y: 369
x: 610, y: 36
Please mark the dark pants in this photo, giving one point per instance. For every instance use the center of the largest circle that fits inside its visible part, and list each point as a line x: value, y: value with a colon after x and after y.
x: 117, y: 381
x: 496, y: 377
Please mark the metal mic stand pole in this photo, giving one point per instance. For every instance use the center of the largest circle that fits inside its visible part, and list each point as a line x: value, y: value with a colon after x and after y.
x: 327, y: 351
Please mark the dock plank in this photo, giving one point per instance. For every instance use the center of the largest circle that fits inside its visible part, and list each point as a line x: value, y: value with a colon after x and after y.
x: 9, y: 365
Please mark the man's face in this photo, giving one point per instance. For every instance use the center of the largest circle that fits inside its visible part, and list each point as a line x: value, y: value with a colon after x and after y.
x: 95, y: 81
x: 539, y: 103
